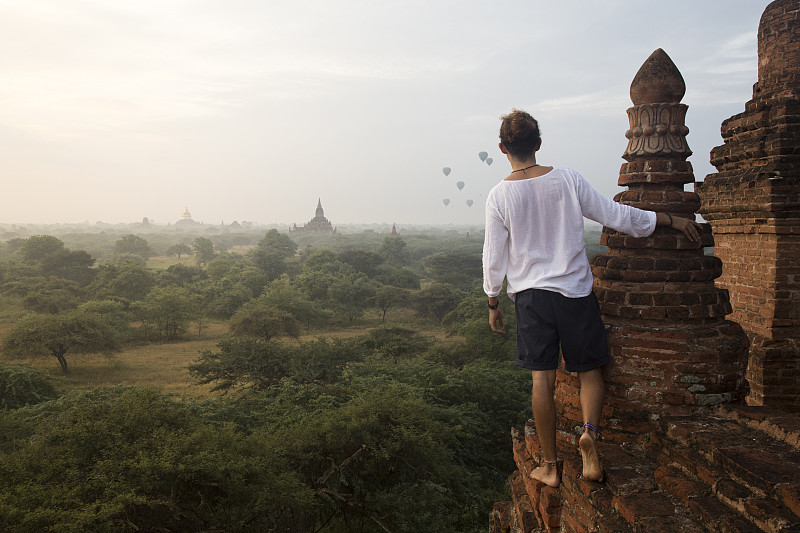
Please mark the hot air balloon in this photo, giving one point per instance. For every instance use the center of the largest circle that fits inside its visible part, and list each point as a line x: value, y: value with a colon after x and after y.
x: 483, y: 155
x: 460, y: 185
x: 469, y: 203
x: 489, y: 161
x: 446, y: 202
x: 446, y: 171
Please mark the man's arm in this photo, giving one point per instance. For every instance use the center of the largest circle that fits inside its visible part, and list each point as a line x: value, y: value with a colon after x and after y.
x: 690, y: 228
x: 495, y: 315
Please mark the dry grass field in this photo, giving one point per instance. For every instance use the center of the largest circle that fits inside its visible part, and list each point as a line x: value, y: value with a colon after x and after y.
x: 165, y: 366
x: 161, y: 262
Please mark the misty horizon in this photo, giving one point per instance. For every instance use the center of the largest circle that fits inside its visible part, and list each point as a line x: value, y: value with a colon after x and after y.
x: 252, y: 111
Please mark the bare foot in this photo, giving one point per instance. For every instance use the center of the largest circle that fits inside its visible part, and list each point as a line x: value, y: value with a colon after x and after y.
x: 547, y: 474
x: 592, y: 469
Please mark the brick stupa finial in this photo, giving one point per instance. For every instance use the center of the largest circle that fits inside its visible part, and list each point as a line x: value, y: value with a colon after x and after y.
x: 671, y: 348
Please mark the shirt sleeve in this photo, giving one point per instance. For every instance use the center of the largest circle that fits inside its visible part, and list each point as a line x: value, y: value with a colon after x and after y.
x: 623, y: 218
x: 495, y: 251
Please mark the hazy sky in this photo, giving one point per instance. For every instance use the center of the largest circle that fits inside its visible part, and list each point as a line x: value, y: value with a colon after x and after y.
x: 114, y: 110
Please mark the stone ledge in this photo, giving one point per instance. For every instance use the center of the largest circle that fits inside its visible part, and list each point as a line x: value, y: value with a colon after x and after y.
x: 780, y: 426
x: 747, y: 472
x: 723, y: 471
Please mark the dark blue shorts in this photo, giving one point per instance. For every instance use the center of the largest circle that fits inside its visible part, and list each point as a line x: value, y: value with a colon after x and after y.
x: 547, y: 320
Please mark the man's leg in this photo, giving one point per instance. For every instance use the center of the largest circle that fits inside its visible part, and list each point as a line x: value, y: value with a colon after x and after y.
x: 592, y: 389
x: 544, y: 414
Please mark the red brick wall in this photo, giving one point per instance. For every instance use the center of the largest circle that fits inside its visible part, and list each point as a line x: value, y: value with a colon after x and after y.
x: 753, y: 205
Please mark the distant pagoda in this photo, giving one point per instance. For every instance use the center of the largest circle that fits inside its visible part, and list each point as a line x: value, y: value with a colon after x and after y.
x: 186, y: 218
x: 318, y: 224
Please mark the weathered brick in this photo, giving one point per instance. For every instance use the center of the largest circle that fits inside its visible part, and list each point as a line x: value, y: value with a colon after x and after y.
x: 676, y: 484
x: 789, y: 496
x: 635, y: 507
x: 759, y: 467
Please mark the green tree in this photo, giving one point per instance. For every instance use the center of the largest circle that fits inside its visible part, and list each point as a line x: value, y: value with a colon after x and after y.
x: 133, y: 245
x: 180, y: 275
x: 462, y: 269
x: 259, y: 365
x: 314, y: 286
x: 388, y: 296
x: 41, y: 335
x: 132, y: 459
x: 271, y: 253
x: 129, y: 281
x: 203, y: 249
x: 168, y: 310
x: 279, y: 243
x: 12, y: 245
x: 280, y: 294
x: 362, y: 260
x: 394, y: 251
x: 263, y: 322
x: 24, y: 385
x: 349, y: 294
x: 403, y: 278
x: 49, y: 256
x: 46, y: 294
x: 114, y: 312
x: 251, y: 277
x: 179, y: 249
x: 325, y: 260
x: 223, y: 298
x: 38, y: 247
x: 219, y: 267
x: 393, y: 464
x: 436, y: 300
x: 468, y: 319
x: 394, y: 343
x: 72, y: 265
x: 125, y: 258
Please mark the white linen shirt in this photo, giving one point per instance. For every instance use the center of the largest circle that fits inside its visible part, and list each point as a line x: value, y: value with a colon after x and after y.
x: 534, y: 232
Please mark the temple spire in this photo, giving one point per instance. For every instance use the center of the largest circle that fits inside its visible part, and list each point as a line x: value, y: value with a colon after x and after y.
x: 672, y: 350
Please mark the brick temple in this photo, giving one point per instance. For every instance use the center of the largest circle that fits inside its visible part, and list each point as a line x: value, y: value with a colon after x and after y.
x: 752, y: 203
x: 701, y: 429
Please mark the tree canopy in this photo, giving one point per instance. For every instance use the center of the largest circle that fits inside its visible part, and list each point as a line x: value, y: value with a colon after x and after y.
x: 168, y: 310
x: 55, y: 335
x: 133, y: 245
x: 271, y: 253
x: 179, y: 249
x: 375, y: 427
x: 262, y: 321
x: 203, y: 249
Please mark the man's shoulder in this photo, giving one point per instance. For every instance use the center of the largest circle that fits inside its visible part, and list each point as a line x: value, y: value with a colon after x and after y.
x: 566, y: 170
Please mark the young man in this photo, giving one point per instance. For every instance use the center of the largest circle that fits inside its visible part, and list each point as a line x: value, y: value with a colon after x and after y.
x: 534, y: 240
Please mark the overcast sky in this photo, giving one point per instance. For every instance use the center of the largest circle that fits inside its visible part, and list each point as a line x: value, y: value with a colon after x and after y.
x: 251, y: 110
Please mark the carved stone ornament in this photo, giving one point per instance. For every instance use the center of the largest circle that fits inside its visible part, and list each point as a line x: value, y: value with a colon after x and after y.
x: 657, y: 118
x: 657, y: 129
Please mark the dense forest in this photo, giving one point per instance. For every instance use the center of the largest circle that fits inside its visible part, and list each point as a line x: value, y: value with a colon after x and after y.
x: 349, y: 382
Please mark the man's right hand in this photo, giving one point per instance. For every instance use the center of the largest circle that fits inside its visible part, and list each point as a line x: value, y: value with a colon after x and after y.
x: 496, y: 320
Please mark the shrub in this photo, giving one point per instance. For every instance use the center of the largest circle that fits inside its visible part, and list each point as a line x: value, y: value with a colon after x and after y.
x: 24, y: 385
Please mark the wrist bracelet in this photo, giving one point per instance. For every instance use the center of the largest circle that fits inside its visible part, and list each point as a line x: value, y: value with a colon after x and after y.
x: 493, y: 307
x: 670, y: 219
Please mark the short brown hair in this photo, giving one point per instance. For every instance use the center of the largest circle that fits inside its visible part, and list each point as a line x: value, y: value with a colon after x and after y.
x: 519, y: 133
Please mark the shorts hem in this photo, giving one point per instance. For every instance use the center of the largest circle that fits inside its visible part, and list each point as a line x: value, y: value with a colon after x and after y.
x: 588, y: 366
x: 535, y: 366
